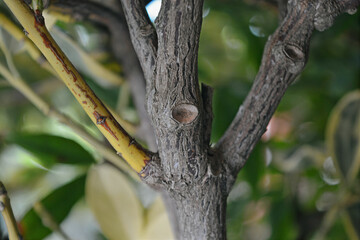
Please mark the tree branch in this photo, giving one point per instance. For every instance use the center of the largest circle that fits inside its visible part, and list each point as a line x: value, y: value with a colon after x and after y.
x: 46, y: 109
x: 143, y: 35
x: 174, y: 101
x: 132, y: 152
x: 7, y: 213
x: 49, y: 221
x: 284, y: 57
x: 122, y: 49
x: 282, y: 6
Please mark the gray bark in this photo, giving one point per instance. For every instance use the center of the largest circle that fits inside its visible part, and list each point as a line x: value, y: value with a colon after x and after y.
x: 143, y: 35
x: 194, y: 176
x: 198, y: 178
x: 284, y: 57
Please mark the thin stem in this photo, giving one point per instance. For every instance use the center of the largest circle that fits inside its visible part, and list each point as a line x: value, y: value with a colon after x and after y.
x: 124, y: 53
x: 136, y: 156
x: 20, y: 36
x: 349, y: 226
x: 107, y: 153
x: 108, y: 78
x: 25, y: 89
x: 6, y: 211
x: 45, y: 108
x: 355, y: 167
x: 345, y: 199
x: 96, y: 69
x: 48, y: 220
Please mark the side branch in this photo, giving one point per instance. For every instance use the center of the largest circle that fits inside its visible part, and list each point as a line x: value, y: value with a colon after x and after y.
x: 47, y: 110
x: 284, y: 58
x: 143, y: 35
x: 122, y: 49
x: 6, y: 211
x: 34, y: 25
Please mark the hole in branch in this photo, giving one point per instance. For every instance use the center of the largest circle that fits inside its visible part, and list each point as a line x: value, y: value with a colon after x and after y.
x: 293, y: 52
x: 185, y: 113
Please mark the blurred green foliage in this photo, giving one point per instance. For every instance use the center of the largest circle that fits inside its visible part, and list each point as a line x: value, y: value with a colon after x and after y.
x: 291, y: 180
x: 34, y: 225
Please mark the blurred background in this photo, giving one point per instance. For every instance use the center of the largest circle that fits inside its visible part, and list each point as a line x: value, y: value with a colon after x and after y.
x: 301, y: 181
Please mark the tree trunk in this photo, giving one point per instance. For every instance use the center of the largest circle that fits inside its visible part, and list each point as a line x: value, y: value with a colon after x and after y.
x: 201, y: 210
x: 195, y: 177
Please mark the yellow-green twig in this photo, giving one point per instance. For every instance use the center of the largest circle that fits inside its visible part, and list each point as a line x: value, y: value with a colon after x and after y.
x: 349, y: 226
x: 93, y: 66
x: 108, y: 78
x: 15, y: 80
x: 45, y: 108
x: 33, y: 23
x: 6, y: 211
x: 48, y: 220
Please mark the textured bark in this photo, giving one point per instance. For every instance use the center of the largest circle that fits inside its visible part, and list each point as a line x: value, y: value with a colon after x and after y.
x: 195, y: 177
x: 175, y: 90
x: 284, y: 57
x: 143, y: 35
x: 175, y: 105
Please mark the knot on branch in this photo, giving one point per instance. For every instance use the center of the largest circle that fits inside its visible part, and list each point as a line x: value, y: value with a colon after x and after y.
x: 292, y: 55
x: 185, y: 113
x: 328, y: 10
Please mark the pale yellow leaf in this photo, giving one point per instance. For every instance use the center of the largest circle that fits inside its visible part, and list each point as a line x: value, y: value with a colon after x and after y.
x: 157, y: 226
x: 114, y: 203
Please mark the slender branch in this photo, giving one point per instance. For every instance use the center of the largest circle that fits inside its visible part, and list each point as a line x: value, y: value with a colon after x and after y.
x: 284, y: 57
x: 48, y: 220
x: 102, y: 75
x: 45, y: 108
x: 350, y: 229
x: 131, y: 151
x: 20, y: 84
x: 345, y: 199
x: 19, y: 35
x: 124, y: 53
x: 355, y: 167
x: 143, y: 35
x: 7, y: 213
x: 97, y: 69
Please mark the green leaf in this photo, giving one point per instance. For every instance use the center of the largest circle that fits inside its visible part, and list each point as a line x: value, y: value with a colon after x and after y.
x: 50, y: 149
x: 114, y: 203
x: 31, y: 226
x: 282, y: 219
x: 57, y: 204
x: 343, y: 135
